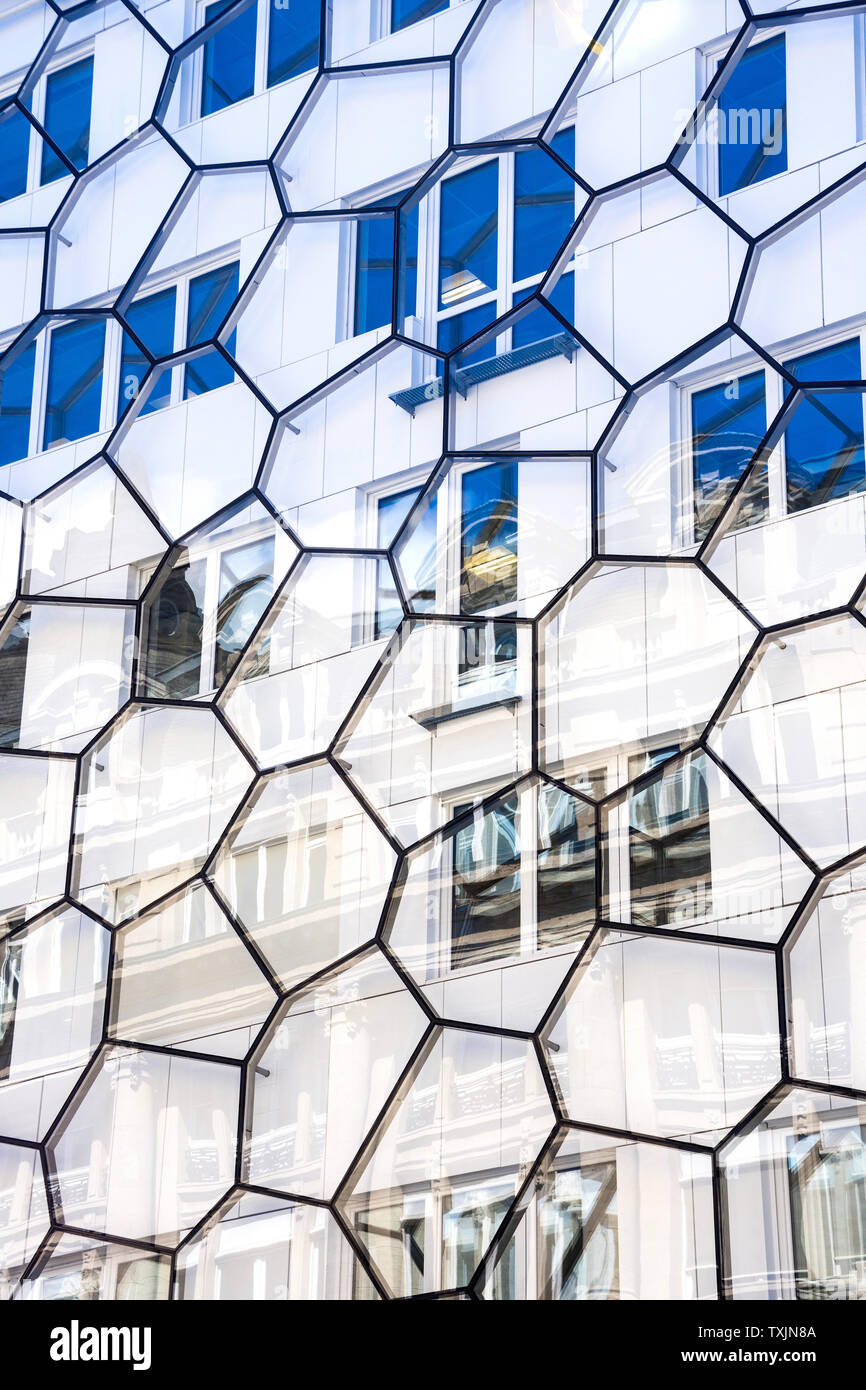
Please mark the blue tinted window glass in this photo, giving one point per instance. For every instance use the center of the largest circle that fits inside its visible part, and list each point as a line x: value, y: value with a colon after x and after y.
x: 374, y: 267
x: 228, y: 59
x: 374, y: 272
x: 210, y: 298
x: 728, y: 423
x: 539, y: 324
x: 14, y: 149
x: 404, y: 12
x: 391, y: 512
x: 67, y: 118
x: 16, y: 391
x: 153, y: 320
x: 74, y: 392
x: 468, y: 234
x: 824, y: 455
x: 293, y: 38
x: 409, y: 260
x: 462, y: 326
x: 488, y: 538
x: 543, y: 206
x: 753, y: 140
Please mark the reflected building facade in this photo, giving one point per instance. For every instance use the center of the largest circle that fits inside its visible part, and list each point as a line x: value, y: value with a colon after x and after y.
x: 432, y: 650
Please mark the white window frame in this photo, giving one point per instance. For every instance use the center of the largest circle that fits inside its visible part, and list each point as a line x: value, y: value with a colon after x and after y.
x: 775, y: 392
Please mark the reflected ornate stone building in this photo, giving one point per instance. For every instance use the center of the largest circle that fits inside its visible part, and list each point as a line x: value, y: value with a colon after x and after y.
x: 432, y: 649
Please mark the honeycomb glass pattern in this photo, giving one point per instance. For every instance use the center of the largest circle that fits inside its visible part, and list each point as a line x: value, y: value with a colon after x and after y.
x: 432, y: 650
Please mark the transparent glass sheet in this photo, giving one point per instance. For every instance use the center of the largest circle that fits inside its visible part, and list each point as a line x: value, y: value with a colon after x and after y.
x: 792, y: 1189
x: 612, y: 1219
x: 155, y: 796
x: 509, y: 892
x: 634, y: 658
x: 793, y: 736
x: 666, y: 1037
x: 318, y: 646
x: 685, y: 848
x: 448, y: 1163
x: 305, y: 871
x: 149, y: 1147
x: 184, y: 977
x: 451, y: 707
x: 318, y: 1087
x: 268, y: 1248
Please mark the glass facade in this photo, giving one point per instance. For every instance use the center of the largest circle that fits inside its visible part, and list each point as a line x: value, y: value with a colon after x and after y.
x: 432, y: 652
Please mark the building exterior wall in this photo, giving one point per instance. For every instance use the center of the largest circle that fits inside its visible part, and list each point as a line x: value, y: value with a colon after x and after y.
x: 432, y: 657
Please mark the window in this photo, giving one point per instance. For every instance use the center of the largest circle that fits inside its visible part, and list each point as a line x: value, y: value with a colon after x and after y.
x: 61, y: 102
x: 752, y: 115
x: 824, y: 441
x: 68, y: 93
x: 500, y: 225
x: 406, y: 12
x: 513, y: 895
x: 578, y: 1234
x: 670, y: 870
x: 821, y: 453
x: 16, y: 391
x: 374, y: 267
x: 293, y: 39
x: 202, y: 614
x: 73, y: 396
x: 267, y: 43
x: 228, y: 59
x: 210, y: 297
x: 15, y: 135
x: 728, y: 422
x: 153, y: 320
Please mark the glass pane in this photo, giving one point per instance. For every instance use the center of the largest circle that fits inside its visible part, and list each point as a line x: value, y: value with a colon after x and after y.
x: 485, y: 905
x: 293, y: 38
x: 824, y: 455
x: 753, y: 142
x: 16, y: 390
x: 175, y: 619
x: 794, y: 1193
x: 669, y: 847
x: 728, y: 423
x: 374, y: 273
x: 210, y: 298
x: 565, y: 906
x: 374, y: 267
x: 544, y: 205
x: 67, y: 118
x: 391, y: 512
x: 539, y: 324
x: 468, y: 234
x: 228, y: 59
x: 488, y: 537
x: 246, y: 585
x: 405, y: 12
x: 14, y: 151
x: 459, y: 327
x: 153, y: 320
x: 74, y: 393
